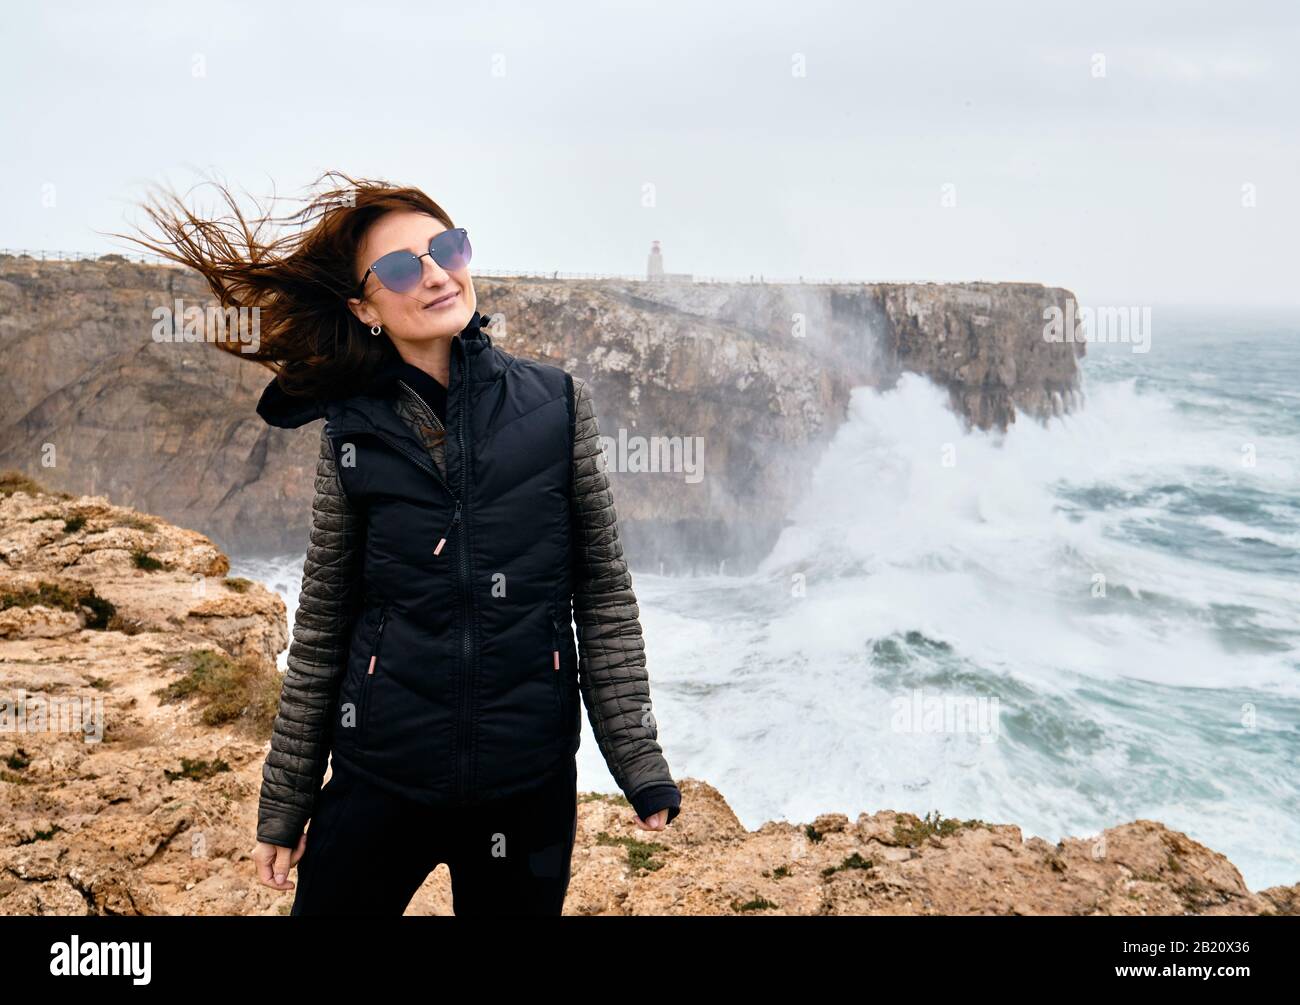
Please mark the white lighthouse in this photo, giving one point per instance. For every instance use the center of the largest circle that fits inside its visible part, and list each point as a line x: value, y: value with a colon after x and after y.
x: 654, y: 268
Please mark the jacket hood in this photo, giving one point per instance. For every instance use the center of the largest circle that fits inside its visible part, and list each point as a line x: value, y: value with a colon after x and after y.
x: 277, y: 408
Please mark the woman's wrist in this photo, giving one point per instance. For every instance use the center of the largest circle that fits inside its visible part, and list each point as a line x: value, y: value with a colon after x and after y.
x: 654, y: 798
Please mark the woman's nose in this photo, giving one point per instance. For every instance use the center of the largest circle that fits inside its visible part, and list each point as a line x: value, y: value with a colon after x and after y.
x: 435, y: 274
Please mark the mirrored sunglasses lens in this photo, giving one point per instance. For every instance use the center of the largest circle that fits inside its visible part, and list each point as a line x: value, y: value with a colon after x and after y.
x: 451, y: 249
x: 398, y: 271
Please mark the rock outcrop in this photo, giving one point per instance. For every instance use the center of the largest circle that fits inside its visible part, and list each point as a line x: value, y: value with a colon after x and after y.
x: 757, y: 376
x: 141, y: 797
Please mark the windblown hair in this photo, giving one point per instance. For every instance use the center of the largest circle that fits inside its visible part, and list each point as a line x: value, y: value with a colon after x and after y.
x: 299, y: 281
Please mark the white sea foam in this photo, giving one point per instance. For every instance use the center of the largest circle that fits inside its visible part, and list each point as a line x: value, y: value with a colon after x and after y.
x: 981, y: 554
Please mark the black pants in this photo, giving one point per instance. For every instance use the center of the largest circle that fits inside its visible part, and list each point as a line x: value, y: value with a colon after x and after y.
x: 368, y: 850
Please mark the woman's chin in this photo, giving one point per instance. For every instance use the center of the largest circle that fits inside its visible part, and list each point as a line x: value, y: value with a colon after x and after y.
x: 443, y: 325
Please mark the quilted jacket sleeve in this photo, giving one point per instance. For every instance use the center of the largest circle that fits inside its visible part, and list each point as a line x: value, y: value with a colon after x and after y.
x: 300, y: 737
x: 612, y: 666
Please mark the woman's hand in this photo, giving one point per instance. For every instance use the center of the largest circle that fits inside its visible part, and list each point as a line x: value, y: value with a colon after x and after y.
x: 274, y: 862
x: 657, y: 821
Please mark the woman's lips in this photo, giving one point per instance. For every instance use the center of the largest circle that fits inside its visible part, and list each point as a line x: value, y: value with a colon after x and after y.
x: 445, y: 301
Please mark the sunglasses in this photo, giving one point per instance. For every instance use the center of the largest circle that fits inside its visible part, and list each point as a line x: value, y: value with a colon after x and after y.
x: 400, y: 271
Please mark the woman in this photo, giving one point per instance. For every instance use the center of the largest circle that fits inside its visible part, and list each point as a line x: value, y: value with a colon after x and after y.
x: 461, y: 519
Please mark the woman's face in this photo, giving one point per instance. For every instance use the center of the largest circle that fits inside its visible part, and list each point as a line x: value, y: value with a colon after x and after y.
x: 409, y: 316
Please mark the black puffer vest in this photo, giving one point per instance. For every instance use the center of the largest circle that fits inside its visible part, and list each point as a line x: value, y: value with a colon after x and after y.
x: 461, y: 678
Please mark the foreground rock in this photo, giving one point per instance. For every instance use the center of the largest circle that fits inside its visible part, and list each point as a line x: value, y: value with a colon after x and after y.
x: 147, y: 803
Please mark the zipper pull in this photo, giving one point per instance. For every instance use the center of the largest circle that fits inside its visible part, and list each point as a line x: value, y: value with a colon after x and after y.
x: 378, y: 635
x: 555, y: 653
x: 454, y: 520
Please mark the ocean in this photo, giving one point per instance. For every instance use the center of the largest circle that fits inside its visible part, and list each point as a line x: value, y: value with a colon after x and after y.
x: 1066, y: 627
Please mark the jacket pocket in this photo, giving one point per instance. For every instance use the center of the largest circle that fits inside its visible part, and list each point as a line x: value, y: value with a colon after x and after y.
x: 557, y: 683
x: 367, y: 681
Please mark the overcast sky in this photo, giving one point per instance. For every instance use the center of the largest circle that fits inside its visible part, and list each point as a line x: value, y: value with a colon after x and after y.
x: 793, y: 138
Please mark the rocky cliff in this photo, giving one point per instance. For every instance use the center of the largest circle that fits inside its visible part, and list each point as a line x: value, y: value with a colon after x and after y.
x: 757, y: 375
x: 135, y: 790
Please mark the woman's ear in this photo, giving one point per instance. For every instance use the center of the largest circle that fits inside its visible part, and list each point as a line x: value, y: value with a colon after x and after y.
x: 364, y: 313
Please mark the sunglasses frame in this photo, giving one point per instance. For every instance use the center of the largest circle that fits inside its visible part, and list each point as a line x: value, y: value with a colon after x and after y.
x: 361, y: 287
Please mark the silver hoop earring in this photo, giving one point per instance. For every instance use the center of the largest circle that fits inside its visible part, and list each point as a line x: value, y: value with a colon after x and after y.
x: 375, y: 329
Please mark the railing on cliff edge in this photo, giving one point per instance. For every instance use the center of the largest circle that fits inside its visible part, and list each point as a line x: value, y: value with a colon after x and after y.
x: 755, y: 280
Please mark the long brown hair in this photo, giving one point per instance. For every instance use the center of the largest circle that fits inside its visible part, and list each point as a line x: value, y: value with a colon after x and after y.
x: 299, y: 281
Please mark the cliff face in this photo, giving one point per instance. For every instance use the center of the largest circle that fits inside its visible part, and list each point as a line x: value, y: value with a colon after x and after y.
x: 750, y: 379
x: 147, y: 803
x: 984, y: 343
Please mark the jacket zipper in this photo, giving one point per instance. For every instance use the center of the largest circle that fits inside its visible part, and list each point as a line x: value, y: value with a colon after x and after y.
x: 463, y: 550
x: 555, y: 658
x: 374, y: 658
x: 379, y: 636
x: 455, y: 519
x: 555, y: 638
